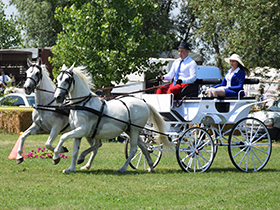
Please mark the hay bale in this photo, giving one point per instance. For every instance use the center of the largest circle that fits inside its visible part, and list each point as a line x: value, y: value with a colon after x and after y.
x: 19, y: 121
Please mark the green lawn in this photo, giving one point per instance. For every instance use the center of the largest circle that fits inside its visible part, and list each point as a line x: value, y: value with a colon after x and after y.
x: 38, y: 184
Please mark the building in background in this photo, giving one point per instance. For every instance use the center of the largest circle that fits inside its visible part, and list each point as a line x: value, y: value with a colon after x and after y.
x: 14, y: 61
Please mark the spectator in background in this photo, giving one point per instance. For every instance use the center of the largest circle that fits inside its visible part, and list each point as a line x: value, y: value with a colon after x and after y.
x: 13, y: 79
x: 3, y: 80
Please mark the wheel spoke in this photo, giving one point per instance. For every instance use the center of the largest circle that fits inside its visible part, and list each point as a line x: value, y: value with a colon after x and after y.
x: 195, y: 150
x: 249, y: 145
x: 139, y: 160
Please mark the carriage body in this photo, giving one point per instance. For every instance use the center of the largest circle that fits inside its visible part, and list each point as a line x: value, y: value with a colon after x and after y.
x: 198, y: 125
x: 196, y: 110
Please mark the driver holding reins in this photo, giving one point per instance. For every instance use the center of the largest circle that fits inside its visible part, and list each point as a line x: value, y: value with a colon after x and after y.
x: 183, y: 70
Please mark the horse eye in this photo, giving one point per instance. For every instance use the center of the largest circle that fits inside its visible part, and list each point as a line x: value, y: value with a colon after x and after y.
x: 68, y: 80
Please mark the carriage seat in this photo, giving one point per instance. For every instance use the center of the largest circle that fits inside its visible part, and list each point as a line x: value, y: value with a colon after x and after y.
x: 192, y: 90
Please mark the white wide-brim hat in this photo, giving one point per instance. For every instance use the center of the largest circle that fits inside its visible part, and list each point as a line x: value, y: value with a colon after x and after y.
x: 236, y: 58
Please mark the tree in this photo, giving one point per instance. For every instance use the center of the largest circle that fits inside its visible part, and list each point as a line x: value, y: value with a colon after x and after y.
x: 108, y: 37
x: 257, y: 27
x: 37, y: 21
x: 9, y: 32
x: 250, y: 28
x: 186, y: 27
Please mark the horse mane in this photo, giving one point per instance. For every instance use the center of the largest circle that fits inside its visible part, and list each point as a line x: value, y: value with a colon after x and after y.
x: 45, y: 69
x: 84, y: 75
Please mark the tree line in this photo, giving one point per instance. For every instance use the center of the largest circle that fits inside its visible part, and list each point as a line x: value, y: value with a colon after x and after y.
x: 116, y: 37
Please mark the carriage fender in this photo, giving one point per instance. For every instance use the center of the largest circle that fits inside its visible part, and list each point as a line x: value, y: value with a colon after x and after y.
x: 210, y: 118
x: 243, y: 111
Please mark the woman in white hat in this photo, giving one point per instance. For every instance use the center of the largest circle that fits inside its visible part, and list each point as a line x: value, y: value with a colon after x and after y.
x: 233, y: 81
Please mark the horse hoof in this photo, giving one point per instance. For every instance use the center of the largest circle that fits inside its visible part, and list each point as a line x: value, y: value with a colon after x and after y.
x: 56, y: 161
x: 67, y: 171
x: 64, y: 149
x: 84, y: 168
x: 80, y: 161
x: 119, y: 171
x: 19, y: 161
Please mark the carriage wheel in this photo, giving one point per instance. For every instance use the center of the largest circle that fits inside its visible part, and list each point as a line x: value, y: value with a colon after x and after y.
x: 213, y: 135
x: 249, y: 145
x: 195, y: 150
x: 139, y: 160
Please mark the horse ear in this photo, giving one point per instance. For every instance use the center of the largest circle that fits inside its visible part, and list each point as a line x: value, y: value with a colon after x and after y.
x: 29, y: 62
x: 64, y: 67
x: 71, y: 68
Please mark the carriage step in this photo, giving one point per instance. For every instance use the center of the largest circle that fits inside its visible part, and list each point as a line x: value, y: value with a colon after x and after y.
x: 172, y: 116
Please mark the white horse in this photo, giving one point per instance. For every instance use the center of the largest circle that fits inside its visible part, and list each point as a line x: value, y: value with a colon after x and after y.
x: 107, y: 121
x: 43, y: 119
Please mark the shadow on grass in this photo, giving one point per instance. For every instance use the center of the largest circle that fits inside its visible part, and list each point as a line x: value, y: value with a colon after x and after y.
x: 166, y: 171
x: 128, y: 172
x: 225, y: 170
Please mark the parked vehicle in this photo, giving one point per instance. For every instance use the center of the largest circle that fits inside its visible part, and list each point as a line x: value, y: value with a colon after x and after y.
x: 271, y: 118
x: 17, y: 99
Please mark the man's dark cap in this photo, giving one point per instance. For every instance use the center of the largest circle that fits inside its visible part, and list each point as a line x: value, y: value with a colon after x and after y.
x: 184, y: 45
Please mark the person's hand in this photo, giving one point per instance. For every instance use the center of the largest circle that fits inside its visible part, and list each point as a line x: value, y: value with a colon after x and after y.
x: 178, y: 81
x: 159, y: 78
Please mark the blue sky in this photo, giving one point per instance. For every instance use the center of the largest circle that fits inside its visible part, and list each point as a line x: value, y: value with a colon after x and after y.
x: 10, y: 9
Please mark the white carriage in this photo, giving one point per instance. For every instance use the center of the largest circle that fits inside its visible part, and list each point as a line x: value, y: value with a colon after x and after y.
x: 198, y: 125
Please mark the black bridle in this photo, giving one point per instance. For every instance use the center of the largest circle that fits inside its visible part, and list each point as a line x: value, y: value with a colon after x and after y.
x: 40, y: 75
x: 71, y: 77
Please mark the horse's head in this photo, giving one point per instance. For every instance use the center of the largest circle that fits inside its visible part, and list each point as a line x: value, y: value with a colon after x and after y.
x: 33, y: 76
x: 64, y: 83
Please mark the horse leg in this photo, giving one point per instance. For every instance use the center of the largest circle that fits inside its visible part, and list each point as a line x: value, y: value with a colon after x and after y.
x: 71, y: 134
x: 94, y: 148
x: 76, y: 146
x: 53, y: 134
x: 133, y: 148
x: 30, y: 131
x: 84, y: 153
x: 143, y: 147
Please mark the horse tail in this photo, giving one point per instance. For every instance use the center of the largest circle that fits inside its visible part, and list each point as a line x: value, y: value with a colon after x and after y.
x: 160, y: 125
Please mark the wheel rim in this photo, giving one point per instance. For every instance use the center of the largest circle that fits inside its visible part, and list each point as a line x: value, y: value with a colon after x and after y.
x: 195, y: 150
x: 249, y: 145
x: 139, y: 160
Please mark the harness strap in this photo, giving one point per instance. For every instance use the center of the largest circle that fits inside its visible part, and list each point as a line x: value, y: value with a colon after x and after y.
x: 98, y: 113
x: 84, y: 101
x: 51, y: 108
x: 99, y: 119
x: 129, y: 118
x: 54, y: 109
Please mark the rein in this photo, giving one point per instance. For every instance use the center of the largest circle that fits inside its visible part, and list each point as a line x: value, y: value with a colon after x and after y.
x: 139, y: 91
x: 107, y: 97
x: 44, y: 90
x: 119, y: 86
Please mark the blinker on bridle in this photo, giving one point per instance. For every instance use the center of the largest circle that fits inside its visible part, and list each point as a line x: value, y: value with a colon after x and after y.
x: 40, y: 76
x: 70, y: 74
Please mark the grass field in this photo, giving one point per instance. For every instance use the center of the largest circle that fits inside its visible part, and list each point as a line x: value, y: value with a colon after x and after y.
x: 38, y: 184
